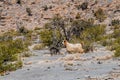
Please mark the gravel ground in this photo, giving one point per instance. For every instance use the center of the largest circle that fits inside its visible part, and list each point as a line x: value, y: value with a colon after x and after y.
x: 97, y: 65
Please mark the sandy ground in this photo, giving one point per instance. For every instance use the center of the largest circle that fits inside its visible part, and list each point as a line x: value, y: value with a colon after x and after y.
x: 97, y: 65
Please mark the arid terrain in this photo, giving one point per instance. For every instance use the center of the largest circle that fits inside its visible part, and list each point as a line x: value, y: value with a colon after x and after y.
x: 97, y: 65
x: 37, y: 26
x: 14, y: 15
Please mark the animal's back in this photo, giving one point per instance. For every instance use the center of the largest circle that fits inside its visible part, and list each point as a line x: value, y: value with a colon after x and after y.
x: 74, y: 47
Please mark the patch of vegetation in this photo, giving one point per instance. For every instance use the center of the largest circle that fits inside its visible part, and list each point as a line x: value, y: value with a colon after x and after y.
x: 112, y: 41
x: 106, y: 40
x: 116, y: 33
x: 26, y: 54
x: 38, y: 47
x: 100, y: 15
x: 115, y: 22
x: 10, y: 67
x: 10, y: 51
x: 46, y: 37
x: 117, y: 52
x: 91, y: 35
x: 37, y: 28
x: 78, y: 26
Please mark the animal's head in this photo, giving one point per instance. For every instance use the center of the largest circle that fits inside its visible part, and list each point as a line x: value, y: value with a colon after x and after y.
x: 64, y: 43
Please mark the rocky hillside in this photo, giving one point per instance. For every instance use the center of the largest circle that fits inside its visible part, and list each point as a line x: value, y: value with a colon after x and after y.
x: 35, y: 13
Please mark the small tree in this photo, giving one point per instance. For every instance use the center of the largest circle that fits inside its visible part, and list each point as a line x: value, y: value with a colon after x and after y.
x: 55, y: 32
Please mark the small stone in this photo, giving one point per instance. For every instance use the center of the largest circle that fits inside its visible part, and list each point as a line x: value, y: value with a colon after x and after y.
x: 28, y: 69
x: 48, y: 67
x: 99, y: 62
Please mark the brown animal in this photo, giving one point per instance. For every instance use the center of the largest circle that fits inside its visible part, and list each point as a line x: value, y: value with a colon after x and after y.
x: 76, y: 48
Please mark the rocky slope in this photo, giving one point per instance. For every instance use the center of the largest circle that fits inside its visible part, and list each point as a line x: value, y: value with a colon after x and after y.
x: 15, y: 13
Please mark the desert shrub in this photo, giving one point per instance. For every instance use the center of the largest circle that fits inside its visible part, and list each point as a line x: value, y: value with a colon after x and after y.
x: 117, y: 40
x: 93, y: 33
x: 9, y: 52
x: 116, y: 27
x: 115, y: 22
x: 88, y: 46
x: 46, y: 36
x: 77, y: 26
x: 38, y: 47
x: 37, y: 28
x: 106, y: 42
x: 100, y: 15
x: 26, y: 54
x: 116, y: 33
x: 117, y: 52
x: 11, y: 66
x: 113, y: 47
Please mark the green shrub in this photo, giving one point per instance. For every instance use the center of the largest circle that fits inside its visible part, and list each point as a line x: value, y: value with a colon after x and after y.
x: 38, y: 47
x: 46, y: 36
x: 106, y: 42
x: 9, y: 52
x: 77, y: 26
x: 10, y: 49
x: 115, y: 22
x: 116, y: 33
x: 117, y: 52
x: 26, y: 54
x: 89, y: 35
x: 93, y: 33
x: 113, y: 47
x: 37, y: 28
